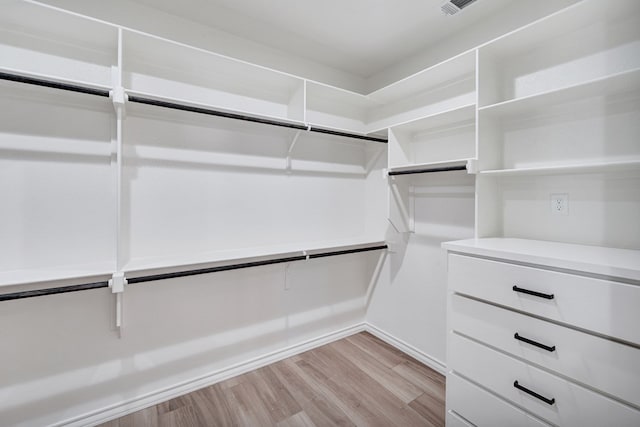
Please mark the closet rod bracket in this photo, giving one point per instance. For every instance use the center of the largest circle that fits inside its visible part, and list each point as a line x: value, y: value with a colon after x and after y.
x: 119, y: 98
x: 116, y: 284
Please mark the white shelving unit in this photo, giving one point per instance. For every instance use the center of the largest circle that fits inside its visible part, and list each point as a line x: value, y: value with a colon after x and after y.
x: 559, y: 107
x: 558, y: 113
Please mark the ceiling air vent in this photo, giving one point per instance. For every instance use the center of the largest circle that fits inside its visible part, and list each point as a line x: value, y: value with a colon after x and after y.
x: 454, y: 6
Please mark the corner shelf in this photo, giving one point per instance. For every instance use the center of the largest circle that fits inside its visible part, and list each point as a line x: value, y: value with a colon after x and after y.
x: 440, y: 137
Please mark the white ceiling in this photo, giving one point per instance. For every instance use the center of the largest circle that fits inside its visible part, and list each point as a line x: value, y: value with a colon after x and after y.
x: 361, y: 37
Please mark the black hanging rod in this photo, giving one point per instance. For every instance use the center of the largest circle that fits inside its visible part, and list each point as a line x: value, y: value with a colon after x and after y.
x: 151, y: 278
x: 347, y: 251
x: 236, y: 116
x: 53, y: 84
x: 429, y: 170
x: 186, y: 273
x: 53, y: 291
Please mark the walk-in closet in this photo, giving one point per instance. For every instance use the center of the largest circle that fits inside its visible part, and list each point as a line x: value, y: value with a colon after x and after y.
x: 292, y: 213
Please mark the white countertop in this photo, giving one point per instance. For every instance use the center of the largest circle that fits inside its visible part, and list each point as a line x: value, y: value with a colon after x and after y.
x: 611, y: 262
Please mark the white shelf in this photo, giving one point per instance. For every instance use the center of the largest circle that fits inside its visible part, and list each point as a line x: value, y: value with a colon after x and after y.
x: 430, y: 165
x: 158, y: 265
x: 610, y: 262
x: 446, y: 71
x: 334, y: 108
x: 609, y: 85
x: 439, y: 120
x: 45, y: 41
x: 555, y: 25
x: 567, y: 169
x: 55, y: 78
x: 177, y: 71
x: 66, y: 273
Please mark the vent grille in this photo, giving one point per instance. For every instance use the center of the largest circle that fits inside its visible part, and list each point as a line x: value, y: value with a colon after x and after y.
x: 454, y: 6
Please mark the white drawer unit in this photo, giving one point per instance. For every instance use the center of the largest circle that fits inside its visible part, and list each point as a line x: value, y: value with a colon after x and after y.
x: 534, y: 340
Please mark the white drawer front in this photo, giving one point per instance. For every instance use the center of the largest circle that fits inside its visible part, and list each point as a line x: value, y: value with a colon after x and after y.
x: 603, y: 364
x: 574, y: 405
x: 602, y: 306
x: 482, y: 408
x: 453, y: 420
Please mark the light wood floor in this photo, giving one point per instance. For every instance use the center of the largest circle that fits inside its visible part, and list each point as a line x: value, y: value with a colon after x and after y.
x: 358, y: 380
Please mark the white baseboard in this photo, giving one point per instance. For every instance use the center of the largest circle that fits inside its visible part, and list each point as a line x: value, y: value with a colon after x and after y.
x: 124, y: 408
x: 423, y: 357
x: 127, y: 407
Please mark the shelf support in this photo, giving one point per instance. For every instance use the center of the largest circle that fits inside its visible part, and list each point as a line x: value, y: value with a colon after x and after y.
x: 291, y: 146
x: 116, y: 284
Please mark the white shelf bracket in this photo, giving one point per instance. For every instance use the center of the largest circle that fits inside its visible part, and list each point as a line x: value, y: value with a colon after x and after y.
x: 119, y: 98
x: 291, y: 146
x: 116, y: 284
x: 472, y: 166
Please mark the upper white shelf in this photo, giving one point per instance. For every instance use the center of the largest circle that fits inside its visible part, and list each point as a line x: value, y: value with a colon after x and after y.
x: 159, y: 265
x: 547, y: 29
x: 601, y: 167
x: 42, y: 41
x: 452, y: 69
x: 610, y: 262
x: 172, y: 70
x: 605, y: 86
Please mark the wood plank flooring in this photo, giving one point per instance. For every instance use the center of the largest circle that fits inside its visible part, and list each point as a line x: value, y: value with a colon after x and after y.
x: 356, y: 381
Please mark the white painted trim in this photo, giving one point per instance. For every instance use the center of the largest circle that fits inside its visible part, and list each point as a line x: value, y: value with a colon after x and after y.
x: 404, y: 347
x: 127, y: 407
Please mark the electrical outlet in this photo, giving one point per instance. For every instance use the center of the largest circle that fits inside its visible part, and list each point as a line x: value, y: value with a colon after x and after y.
x: 560, y: 204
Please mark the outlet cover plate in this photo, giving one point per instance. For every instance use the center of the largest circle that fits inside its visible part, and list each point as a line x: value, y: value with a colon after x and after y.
x: 559, y: 203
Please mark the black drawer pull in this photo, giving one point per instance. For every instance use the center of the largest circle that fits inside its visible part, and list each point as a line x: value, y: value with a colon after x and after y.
x: 534, y: 394
x: 532, y: 342
x: 534, y: 293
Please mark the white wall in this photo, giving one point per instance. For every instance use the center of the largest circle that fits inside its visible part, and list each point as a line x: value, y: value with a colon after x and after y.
x: 409, y: 301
